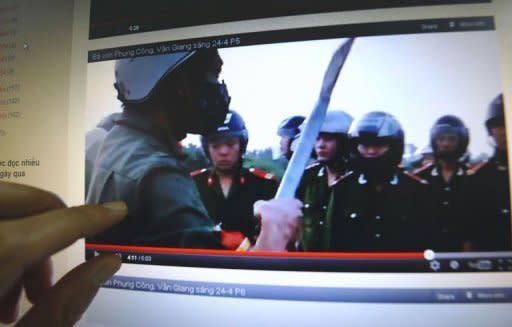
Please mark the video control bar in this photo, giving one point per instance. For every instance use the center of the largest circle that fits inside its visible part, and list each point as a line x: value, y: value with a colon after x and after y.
x: 469, y: 261
x: 414, y: 262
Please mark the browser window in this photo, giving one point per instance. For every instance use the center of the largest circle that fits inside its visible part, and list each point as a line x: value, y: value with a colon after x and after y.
x: 406, y: 223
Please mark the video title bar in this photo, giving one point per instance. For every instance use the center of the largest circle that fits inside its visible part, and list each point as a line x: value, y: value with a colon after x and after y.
x: 309, y: 293
x: 300, y: 34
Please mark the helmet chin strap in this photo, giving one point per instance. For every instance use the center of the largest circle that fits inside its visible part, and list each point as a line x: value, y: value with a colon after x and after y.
x: 452, y: 156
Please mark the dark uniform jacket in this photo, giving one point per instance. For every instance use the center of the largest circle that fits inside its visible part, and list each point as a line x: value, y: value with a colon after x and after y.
x: 235, y: 212
x: 314, y: 192
x: 393, y: 219
x: 490, y: 206
x: 448, y: 202
x: 143, y: 167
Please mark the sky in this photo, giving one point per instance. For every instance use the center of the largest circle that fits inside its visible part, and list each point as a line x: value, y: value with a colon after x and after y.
x: 416, y: 77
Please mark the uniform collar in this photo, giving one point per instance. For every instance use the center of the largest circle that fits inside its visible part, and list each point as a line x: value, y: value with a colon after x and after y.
x: 362, y: 179
x: 435, y: 172
x: 348, y: 173
x: 142, y: 124
x: 239, y: 180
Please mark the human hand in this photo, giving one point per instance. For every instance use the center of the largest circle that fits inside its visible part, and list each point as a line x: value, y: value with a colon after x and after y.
x: 34, y: 224
x: 280, y: 220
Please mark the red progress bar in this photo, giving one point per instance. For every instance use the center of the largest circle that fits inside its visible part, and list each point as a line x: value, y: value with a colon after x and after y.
x: 308, y: 255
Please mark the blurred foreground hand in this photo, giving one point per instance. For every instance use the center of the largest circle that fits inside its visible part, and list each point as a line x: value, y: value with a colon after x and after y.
x: 280, y: 222
x: 35, y: 224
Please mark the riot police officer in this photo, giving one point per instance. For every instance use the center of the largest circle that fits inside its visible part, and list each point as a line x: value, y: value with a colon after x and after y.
x: 229, y: 190
x: 447, y: 177
x: 287, y: 130
x: 377, y: 206
x: 331, y: 154
x: 490, y: 201
x: 139, y: 161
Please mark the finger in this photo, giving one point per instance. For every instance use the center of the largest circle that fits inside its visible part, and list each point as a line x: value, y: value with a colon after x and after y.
x: 256, y: 207
x: 65, y: 303
x: 10, y: 304
x: 294, y: 203
x: 38, y: 280
x: 21, y: 200
x: 40, y: 236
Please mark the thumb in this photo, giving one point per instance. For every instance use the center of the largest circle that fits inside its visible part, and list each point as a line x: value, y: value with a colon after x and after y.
x: 65, y: 303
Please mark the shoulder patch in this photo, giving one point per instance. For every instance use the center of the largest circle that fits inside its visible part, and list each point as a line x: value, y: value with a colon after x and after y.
x: 421, y: 169
x: 416, y: 178
x: 198, y: 172
x: 261, y: 173
x: 474, y: 168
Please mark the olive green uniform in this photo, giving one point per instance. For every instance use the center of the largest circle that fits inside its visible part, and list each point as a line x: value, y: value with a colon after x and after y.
x: 143, y: 167
x: 314, y: 193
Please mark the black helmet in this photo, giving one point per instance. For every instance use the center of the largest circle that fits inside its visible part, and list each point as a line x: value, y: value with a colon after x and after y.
x: 450, y: 124
x: 495, y: 113
x: 233, y: 126
x: 290, y: 126
x: 377, y: 127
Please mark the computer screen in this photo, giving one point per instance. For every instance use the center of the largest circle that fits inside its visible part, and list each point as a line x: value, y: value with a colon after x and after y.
x: 405, y: 86
x: 387, y: 122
